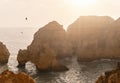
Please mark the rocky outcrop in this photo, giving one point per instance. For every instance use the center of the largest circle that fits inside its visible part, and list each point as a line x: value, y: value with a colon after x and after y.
x: 4, y: 54
x: 110, y: 76
x: 23, y: 57
x: 55, y: 36
x: 49, y: 43
x: 94, y: 37
x: 9, y: 77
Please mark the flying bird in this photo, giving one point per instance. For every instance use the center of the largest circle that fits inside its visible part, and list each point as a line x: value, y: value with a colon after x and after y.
x: 26, y: 18
x: 21, y: 32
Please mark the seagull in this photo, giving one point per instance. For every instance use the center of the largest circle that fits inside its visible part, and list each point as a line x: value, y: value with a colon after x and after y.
x: 26, y: 18
x: 21, y: 32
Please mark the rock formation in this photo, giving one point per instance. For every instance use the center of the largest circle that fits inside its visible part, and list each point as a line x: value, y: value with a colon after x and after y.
x: 9, y: 77
x: 89, y: 37
x: 49, y: 43
x: 95, y: 37
x: 110, y: 76
x: 22, y: 57
x: 54, y: 35
x: 4, y: 54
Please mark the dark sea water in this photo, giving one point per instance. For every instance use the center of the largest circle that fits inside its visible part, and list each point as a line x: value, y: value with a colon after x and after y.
x: 84, y: 72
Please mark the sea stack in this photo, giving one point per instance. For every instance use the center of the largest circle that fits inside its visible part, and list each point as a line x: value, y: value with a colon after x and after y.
x: 22, y: 57
x: 4, y: 54
x: 49, y: 43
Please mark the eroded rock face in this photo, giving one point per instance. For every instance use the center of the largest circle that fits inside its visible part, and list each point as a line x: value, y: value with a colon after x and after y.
x: 112, y: 76
x: 9, y: 77
x: 4, y: 54
x: 88, y: 28
x: 49, y: 42
x: 48, y: 62
x: 113, y: 39
x: 91, y: 37
x: 54, y: 35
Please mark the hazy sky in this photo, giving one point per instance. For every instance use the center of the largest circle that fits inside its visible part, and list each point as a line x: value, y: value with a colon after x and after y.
x: 40, y: 12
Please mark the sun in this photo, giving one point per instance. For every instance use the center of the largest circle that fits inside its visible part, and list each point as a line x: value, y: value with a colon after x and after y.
x: 80, y: 3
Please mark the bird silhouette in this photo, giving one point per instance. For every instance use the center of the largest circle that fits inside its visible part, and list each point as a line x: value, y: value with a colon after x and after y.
x: 26, y: 18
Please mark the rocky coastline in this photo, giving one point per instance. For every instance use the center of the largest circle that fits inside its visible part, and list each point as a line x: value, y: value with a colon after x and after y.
x: 88, y: 38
